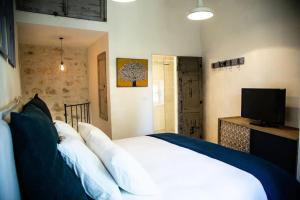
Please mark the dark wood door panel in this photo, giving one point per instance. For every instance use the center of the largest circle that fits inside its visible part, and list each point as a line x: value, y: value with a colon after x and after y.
x: 190, y: 96
x: 189, y: 64
x: 192, y: 124
x: 192, y: 92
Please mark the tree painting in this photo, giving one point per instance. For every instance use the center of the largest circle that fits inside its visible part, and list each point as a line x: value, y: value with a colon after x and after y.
x: 132, y: 73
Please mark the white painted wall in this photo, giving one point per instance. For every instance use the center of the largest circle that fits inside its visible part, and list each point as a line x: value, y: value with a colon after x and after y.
x: 9, y: 82
x: 139, y: 30
x: 266, y: 33
x: 136, y: 30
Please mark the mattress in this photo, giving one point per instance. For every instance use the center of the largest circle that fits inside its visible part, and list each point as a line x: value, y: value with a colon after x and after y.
x: 184, y: 174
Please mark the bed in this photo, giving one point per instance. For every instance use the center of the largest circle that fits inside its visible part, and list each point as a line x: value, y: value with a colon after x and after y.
x: 184, y: 174
x: 182, y: 168
x: 188, y: 168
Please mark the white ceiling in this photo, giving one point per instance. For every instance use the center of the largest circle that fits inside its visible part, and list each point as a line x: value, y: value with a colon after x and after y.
x: 49, y: 35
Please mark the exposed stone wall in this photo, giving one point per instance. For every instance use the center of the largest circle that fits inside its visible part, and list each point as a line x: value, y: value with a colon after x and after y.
x: 40, y: 74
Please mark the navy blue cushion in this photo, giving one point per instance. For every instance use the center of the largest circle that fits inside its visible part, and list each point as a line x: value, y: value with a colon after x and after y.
x: 38, y: 102
x: 41, y: 170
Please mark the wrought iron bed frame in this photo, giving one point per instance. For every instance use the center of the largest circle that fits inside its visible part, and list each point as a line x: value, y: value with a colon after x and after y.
x: 81, y: 111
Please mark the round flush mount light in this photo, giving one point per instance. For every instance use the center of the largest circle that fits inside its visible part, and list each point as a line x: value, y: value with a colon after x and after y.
x: 201, y: 12
x: 124, y: 1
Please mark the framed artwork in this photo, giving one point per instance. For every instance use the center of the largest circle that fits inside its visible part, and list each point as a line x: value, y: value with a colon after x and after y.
x: 11, y: 33
x: 132, y: 72
x: 7, y: 32
x: 3, y: 31
x: 102, y: 86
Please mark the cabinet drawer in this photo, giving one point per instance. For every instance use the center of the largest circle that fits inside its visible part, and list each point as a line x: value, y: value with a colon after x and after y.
x: 234, y: 136
x: 278, y: 150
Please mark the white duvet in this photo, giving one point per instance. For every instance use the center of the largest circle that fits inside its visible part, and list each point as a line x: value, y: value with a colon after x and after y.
x: 182, y: 174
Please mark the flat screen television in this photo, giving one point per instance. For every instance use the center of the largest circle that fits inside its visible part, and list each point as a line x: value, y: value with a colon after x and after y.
x: 266, y: 107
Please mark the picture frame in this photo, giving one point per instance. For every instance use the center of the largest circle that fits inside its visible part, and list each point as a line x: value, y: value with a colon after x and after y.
x: 132, y: 72
x: 7, y: 32
x: 3, y: 32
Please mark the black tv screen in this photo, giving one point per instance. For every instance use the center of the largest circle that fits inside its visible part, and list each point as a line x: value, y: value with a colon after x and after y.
x: 264, y: 105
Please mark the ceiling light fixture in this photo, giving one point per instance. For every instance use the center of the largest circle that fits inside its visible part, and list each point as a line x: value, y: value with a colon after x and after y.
x: 62, y: 66
x: 201, y: 12
x: 123, y: 1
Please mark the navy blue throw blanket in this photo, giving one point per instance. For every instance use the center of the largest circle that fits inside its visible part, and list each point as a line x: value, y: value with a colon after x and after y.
x: 278, y: 184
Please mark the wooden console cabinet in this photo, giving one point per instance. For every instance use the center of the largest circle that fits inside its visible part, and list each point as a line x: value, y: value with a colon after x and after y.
x: 277, y: 145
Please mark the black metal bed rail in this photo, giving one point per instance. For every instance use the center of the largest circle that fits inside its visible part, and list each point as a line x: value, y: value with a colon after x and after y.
x: 77, y: 113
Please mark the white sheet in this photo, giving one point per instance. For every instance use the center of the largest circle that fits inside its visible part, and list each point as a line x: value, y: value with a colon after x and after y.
x: 182, y: 174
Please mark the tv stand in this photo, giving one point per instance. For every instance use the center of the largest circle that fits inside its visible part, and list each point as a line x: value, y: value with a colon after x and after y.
x: 258, y: 123
x: 278, y: 145
x: 263, y: 124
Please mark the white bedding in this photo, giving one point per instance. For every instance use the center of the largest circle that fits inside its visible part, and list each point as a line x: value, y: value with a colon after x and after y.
x: 182, y: 174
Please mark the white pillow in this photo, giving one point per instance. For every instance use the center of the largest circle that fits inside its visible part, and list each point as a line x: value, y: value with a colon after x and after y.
x: 127, y: 172
x: 95, y: 179
x: 93, y: 136
x: 65, y: 130
x: 85, y: 130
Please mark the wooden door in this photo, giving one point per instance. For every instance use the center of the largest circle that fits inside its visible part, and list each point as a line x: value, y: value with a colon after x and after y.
x: 102, y: 86
x: 190, y: 96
